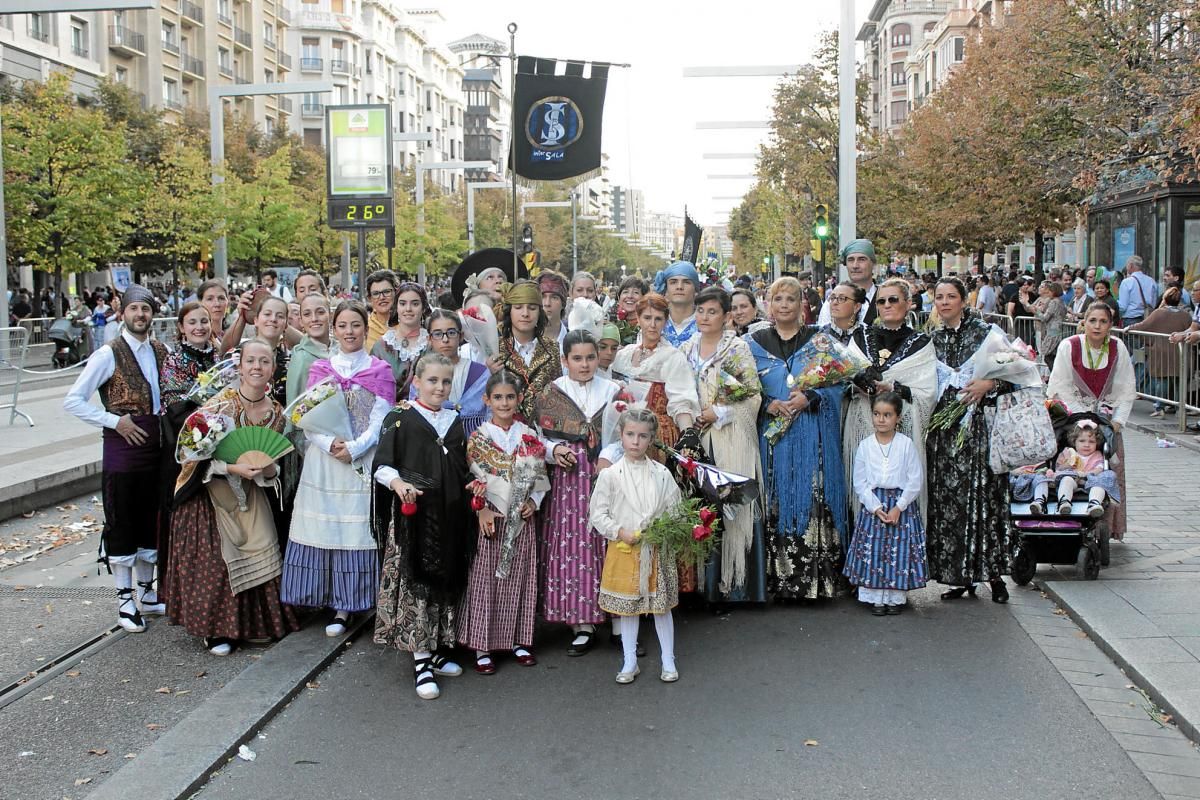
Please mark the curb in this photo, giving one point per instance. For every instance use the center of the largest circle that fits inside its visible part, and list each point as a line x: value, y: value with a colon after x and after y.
x: 183, y: 758
x: 45, y: 490
x: 1186, y: 727
x: 1185, y: 440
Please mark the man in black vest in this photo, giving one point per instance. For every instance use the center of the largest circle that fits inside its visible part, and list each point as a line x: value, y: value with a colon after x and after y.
x: 125, y: 373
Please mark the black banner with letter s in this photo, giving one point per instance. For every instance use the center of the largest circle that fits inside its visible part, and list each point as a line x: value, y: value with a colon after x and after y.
x: 691, y: 238
x: 559, y: 119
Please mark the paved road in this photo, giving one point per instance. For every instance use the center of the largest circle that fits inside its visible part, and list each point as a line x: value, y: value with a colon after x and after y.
x: 950, y: 700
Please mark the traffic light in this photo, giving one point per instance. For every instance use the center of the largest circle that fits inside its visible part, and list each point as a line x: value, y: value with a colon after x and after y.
x: 527, y: 238
x: 821, y: 222
x: 818, y: 249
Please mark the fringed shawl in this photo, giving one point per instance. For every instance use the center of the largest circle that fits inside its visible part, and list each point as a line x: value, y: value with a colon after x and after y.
x: 811, y: 443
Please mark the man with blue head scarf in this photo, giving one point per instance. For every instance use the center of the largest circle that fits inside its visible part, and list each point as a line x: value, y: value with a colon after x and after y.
x: 859, y: 258
x: 679, y: 284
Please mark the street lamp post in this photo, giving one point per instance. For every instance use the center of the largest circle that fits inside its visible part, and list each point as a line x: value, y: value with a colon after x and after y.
x: 216, y: 122
x: 422, y: 168
x: 472, y: 187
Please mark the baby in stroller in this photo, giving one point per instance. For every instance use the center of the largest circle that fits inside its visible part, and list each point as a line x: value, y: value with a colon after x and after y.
x: 1080, y: 462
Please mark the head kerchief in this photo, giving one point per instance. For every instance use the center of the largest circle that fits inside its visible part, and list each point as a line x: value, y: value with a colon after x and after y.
x: 863, y: 246
x: 139, y: 294
x: 520, y: 293
x: 678, y: 269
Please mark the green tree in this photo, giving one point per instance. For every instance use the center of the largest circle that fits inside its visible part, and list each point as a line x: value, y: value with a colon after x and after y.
x: 179, y: 208
x: 262, y: 215
x: 70, y: 191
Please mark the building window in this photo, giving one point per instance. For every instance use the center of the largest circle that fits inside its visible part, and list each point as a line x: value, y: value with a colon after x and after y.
x: 1048, y: 252
x: 39, y: 27
x: 269, y: 34
x: 901, y: 35
x: 79, y: 38
x: 898, y: 75
x: 122, y: 76
x: 899, y: 112
x: 169, y: 40
x: 170, y: 93
x: 959, y: 45
x: 400, y: 123
x: 224, y: 64
x: 268, y: 76
x: 270, y: 126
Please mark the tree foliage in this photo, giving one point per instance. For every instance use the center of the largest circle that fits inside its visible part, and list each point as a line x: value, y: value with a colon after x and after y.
x: 70, y: 190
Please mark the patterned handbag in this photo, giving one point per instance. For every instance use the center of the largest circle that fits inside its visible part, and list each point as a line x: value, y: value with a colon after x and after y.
x: 1021, y: 431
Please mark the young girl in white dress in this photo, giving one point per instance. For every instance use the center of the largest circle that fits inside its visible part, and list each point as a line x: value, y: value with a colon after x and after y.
x: 637, y: 578
x: 886, y: 557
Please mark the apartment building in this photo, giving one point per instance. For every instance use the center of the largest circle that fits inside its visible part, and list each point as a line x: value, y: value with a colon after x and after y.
x: 168, y: 56
x: 629, y: 211
x: 894, y: 30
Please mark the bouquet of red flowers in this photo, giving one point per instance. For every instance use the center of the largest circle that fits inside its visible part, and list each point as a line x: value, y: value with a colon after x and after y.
x: 687, y: 533
x: 200, y: 435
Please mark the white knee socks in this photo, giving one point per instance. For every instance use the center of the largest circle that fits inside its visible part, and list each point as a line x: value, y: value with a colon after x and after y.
x: 145, y: 577
x: 629, y: 634
x: 664, y: 624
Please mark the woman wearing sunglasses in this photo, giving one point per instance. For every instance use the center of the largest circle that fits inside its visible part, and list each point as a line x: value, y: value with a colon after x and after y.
x: 902, y: 361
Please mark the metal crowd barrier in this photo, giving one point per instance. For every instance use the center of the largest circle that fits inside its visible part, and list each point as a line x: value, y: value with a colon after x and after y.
x: 14, y: 345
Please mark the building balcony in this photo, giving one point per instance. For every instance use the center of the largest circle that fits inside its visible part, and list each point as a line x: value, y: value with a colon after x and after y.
x: 192, y: 66
x: 225, y: 70
x: 191, y: 11
x: 172, y: 103
x: 312, y: 64
x: 224, y: 19
x: 126, y: 40
x: 339, y: 67
x: 284, y: 15
x: 327, y: 20
x: 285, y: 104
x: 170, y: 47
x: 41, y: 34
x: 242, y: 37
x: 242, y: 79
x: 312, y: 110
x: 284, y: 60
x: 270, y: 43
x: 81, y: 51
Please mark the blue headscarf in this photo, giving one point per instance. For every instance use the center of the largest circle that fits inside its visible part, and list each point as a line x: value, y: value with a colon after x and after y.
x: 679, y: 268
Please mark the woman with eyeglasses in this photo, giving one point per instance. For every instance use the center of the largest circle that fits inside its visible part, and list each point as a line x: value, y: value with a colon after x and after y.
x: 968, y: 536
x: 845, y: 301
x: 470, y: 377
x: 806, y: 495
x: 902, y: 360
x: 405, y: 342
x: 381, y: 298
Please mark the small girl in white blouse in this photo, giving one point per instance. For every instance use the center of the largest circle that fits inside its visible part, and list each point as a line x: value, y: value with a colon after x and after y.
x: 886, y: 557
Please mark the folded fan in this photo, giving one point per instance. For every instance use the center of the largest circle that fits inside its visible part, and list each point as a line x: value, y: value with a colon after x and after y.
x: 252, y: 445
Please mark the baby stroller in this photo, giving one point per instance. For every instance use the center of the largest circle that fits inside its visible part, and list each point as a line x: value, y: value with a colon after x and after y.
x: 70, y: 343
x: 1074, y: 538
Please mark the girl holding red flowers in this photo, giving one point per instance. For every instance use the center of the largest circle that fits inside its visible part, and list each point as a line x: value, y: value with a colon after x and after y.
x: 637, y: 578
x: 508, y: 461
x: 422, y: 517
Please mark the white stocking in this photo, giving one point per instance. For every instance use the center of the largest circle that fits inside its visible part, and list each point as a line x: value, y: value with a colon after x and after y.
x: 629, y: 634
x: 1066, y: 488
x: 664, y: 624
x: 1096, y: 494
x: 144, y: 571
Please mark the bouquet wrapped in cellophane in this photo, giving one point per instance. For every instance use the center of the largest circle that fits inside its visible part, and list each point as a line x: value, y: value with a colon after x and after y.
x: 825, y: 363
x: 731, y: 390
x: 996, y: 359
x: 528, y: 476
x: 479, y: 329
x: 321, y: 409
x: 213, y: 380
x: 202, y: 431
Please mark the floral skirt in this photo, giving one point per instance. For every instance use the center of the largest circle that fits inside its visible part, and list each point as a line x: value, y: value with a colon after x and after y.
x: 198, y: 595
x: 407, y: 619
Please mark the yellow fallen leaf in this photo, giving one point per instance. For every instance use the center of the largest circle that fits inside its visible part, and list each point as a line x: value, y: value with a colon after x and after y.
x: 811, y: 743
x: 98, y: 751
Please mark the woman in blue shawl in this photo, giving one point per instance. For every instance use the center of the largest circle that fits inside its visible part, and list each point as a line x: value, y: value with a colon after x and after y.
x: 805, y: 485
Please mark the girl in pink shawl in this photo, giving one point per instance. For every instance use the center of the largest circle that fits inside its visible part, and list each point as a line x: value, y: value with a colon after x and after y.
x: 331, y: 559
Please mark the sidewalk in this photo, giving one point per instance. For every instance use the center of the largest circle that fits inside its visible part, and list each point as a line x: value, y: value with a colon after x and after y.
x: 1143, y: 610
x: 56, y: 459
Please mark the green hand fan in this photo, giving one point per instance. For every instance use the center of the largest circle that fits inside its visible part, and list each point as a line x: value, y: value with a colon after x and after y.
x: 251, y: 445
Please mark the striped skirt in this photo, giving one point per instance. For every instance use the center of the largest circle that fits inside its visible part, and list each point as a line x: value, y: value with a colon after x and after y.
x: 344, y: 580
x: 572, y: 554
x: 499, y: 614
x: 888, y: 556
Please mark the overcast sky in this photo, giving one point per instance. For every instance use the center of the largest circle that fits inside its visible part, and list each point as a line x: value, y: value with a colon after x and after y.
x: 651, y: 111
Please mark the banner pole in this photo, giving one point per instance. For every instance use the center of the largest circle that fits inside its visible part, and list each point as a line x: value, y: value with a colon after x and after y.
x: 512, y: 134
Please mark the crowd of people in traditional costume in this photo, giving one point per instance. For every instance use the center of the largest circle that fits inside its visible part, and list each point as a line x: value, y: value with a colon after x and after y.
x: 508, y: 441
